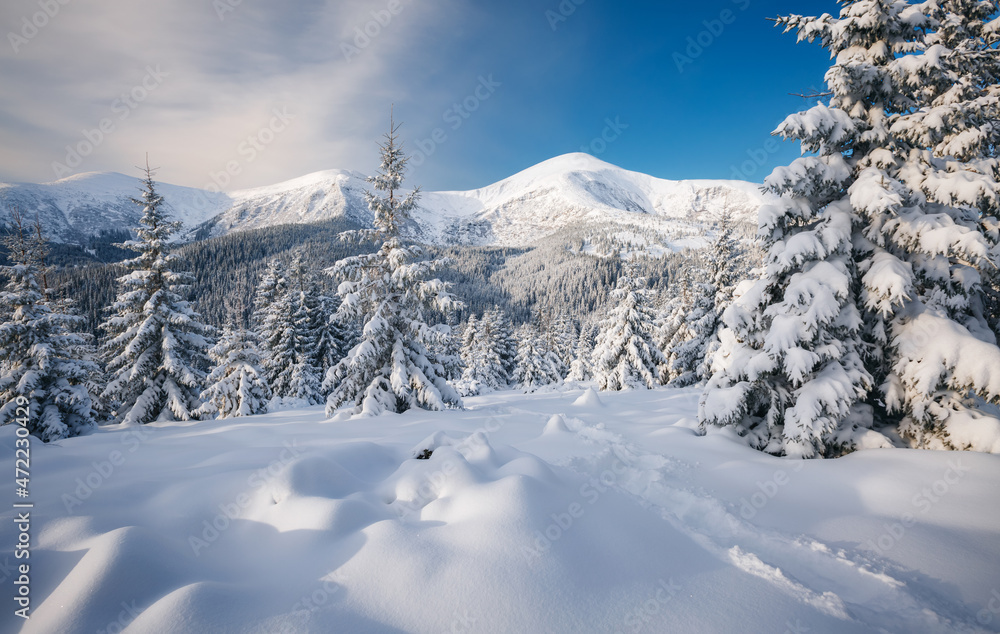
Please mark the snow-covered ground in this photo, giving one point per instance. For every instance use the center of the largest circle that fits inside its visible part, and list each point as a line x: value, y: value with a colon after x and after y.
x: 564, y: 511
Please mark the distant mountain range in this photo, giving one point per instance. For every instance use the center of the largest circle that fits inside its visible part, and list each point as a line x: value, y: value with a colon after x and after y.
x: 573, y: 190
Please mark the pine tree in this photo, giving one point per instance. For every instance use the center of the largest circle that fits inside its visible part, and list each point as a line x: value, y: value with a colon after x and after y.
x: 506, y: 340
x: 537, y: 365
x: 942, y: 362
x: 689, y: 346
x: 565, y: 332
x: 449, y: 350
x: 156, y: 342
x: 668, y: 327
x: 44, y: 361
x: 553, y: 344
x: 282, y: 316
x: 273, y: 320
x: 332, y: 336
x: 303, y: 382
x: 393, y: 367
x: 470, y: 331
x: 707, y: 285
x: 582, y: 367
x: 626, y: 356
x: 869, y: 308
x: 728, y: 263
x: 484, y: 368
x: 236, y: 385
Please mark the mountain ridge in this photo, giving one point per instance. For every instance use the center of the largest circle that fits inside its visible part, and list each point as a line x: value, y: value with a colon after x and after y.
x: 568, y: 190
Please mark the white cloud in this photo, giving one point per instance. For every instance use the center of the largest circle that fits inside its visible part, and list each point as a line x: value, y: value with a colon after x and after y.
x: 221, y: 81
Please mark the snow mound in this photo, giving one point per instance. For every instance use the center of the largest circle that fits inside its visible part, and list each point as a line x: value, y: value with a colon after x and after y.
x: 556, y: 425
x: 588, y: 399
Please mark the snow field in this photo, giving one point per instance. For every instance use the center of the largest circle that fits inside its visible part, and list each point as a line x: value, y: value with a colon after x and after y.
x: 559, y: 511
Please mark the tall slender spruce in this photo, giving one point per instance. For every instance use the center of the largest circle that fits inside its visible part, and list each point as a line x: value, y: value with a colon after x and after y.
x: 156, y: 342
x: 45, y: 361
x: 393, y: 367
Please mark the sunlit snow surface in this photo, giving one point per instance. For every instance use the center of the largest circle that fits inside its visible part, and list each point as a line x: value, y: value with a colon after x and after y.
x: 560, y: 511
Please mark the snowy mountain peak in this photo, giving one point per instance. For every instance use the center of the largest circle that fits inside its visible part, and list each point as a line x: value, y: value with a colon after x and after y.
x: 564, y: 191
x: 314, y: 180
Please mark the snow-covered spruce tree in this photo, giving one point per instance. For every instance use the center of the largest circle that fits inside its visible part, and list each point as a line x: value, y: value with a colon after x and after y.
x: 728, y: 263
x: 484, y: 368
x: 564, y: 334
x: 536, y: 365
x: 696, y: 331
x: 155, y: 346
x: 582, y: 367
x: 282, y: 319
x: 470, y: 330
x: 271, y: 320
x: 236, y: 385
x: 626, y: 355
x: 707, y: 292
x: 551, y: 341
x: 393, y: 367
x: 324, y: 336
x: 942, y: 360
x: 667, y: 326
x: 42, y: 356
x: 449, y: 350
x: 308, y: 330
x: 333, y: 337
x: 869, y: 306
x: 506, y: 339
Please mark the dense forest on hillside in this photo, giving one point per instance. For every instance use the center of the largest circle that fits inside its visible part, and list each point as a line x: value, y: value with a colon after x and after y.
x: 550, y: 276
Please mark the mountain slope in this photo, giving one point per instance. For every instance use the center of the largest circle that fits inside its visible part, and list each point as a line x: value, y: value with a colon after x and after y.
x: 84, y: 205
x: 566, y: 191
x: 573, y: 190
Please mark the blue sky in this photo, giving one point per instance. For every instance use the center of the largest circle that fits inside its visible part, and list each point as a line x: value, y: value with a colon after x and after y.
x: 242, y: 93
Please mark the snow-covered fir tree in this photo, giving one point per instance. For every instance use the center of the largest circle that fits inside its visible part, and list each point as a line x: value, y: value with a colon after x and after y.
x: 394, y: 367
x: 707, y: 290
x: 283, y: 321
x: 155, y: 346
x: 551, y: 341
x: 626, y: 355
x: 869, y: 311
x: 582, y: 367
x: 729, y: 263
x: 537, y: 364
x: 481, y: 355
x: 506, y: 339
x: 668, y: 324
x: 44, y: 361
x: 689, y: 345
x: 449, y: 350
x: 333, y: 336
x: 944, y: 172
x: 323, y: 336
x: 564, y: 333
x: 236, y: 385
x: 467, y: 338
x: 310, y: 328
x: 269, y: 321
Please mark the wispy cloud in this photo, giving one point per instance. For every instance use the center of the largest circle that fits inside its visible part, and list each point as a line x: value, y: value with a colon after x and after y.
x: 219, y: 75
